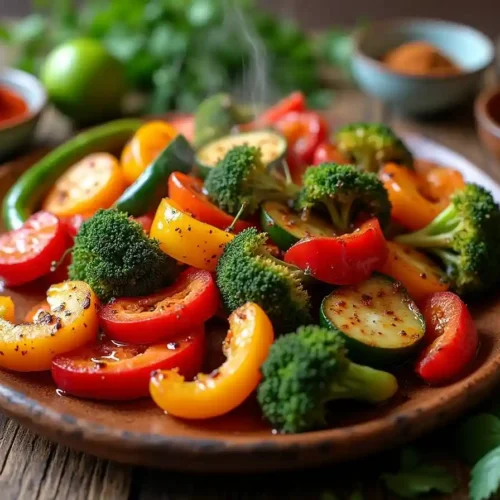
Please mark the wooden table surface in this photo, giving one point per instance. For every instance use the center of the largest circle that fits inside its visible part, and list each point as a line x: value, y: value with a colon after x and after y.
x: 31, y: 467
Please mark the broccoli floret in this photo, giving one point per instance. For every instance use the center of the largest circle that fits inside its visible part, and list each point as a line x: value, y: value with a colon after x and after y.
x: 370, y: 145
x: 242, y: 179
x: 115, y: 257
x: 465, y: 238
x: 309, y: 368
x: 246, y: 272
x: 345, y: 192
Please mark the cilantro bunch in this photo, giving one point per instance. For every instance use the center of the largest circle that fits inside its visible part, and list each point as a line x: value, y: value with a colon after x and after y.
x: 477, y: 441
x: 179, y: 51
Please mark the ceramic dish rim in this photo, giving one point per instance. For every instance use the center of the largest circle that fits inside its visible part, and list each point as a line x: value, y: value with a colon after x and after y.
x: 37, y: 415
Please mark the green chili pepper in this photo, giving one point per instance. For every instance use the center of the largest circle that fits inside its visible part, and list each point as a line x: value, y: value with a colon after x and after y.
x: 26, y: 194
x: 147, y: 191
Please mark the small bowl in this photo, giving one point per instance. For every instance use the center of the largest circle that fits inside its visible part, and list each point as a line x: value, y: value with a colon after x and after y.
x: 19, y: 132
x: 487, y: 115
x: 421, y: 94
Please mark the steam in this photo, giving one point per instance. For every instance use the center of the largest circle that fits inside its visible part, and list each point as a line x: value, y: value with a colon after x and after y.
x: 255, y: 88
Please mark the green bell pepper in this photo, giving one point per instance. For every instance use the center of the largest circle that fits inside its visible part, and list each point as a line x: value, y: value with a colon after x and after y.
x: 26, y: 194
x: 147, y: 191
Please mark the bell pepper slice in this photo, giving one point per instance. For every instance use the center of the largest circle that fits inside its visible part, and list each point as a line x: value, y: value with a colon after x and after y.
x: 184, y: 124
x: 341, y: 260
x: 96, y: 181
x: 452, y: 337
x: 74, y: 223
x: 439, y: 183
x: 304, y: 132
x: 7, y: 309
x: 296, y: 101
x: 107, y: 371
x: 190, y: 301
x: 410, y: 208
x: 146, y: 221
x: 186, y: 239
x: 71, y: 323
x: 327, y: 152
x: 418, y: 273
x: 246, y: 347
x: 187, y: 192
x: 144, y: 147
x: 324, y: 153
x: 26, y: 254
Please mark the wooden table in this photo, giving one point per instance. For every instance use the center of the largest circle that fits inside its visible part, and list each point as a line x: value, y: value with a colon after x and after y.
x: 33, y: 468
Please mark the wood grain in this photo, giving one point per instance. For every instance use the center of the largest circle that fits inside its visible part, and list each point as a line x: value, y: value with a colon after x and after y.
x: 33, y: 468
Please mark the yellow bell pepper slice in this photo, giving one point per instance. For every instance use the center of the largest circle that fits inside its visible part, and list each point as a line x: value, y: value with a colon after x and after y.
x: 71, y: 323
x: 144, y: 147
x: 246, y: 347
x: 186, y: 239
x: 7, y: 308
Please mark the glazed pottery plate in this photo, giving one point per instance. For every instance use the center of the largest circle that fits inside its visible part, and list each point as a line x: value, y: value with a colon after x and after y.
x: 140, y: 433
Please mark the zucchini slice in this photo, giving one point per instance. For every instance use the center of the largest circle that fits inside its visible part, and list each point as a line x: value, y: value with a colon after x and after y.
x: 285, y: 227
x: 272, y: 144
x: 380, y: 322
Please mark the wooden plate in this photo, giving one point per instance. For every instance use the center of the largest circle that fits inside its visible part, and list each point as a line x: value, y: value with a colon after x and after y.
x: 140, y: 433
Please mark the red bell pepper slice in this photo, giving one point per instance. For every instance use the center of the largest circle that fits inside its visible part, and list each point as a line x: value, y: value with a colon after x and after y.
x: 192, y: 300
x: 326, y: 152
x: 451, y: 336
x: 187, y: 192
x: 184, y: 124
x: 27, y: 253
x: 110, y: 371
x: 341, y: 260
x: 146, y: 221
x: 304, y: 131
x: 74, y: 223
x: 296, y: 166
x: 295, y: 101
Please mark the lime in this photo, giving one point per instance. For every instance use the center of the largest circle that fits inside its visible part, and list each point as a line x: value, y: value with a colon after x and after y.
x: 84, y: 81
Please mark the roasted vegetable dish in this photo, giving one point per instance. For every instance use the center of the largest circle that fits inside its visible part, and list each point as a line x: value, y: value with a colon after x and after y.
x: 329, y: 256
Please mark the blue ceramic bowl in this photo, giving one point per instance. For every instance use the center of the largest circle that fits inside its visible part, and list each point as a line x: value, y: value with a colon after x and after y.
x: 467, y: 47
x: 18, y: 133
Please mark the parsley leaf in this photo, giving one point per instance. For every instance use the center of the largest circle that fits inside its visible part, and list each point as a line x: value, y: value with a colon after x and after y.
x: 476, y: 436
x: 416, y: 477
x: 485, y: 476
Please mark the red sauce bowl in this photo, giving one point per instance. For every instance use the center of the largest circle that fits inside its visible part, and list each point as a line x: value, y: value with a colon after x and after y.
x: 23, y: 99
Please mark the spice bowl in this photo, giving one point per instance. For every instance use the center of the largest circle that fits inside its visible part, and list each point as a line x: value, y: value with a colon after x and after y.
x: 18, y: 132
x: 421, y: 94
x: 487, y: 116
